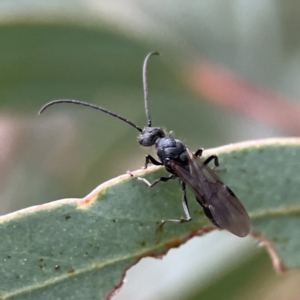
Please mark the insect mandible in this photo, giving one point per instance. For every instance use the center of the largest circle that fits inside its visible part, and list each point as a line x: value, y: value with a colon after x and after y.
x: 218, y: 201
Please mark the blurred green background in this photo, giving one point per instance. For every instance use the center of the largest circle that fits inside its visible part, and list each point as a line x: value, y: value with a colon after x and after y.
x: 228, y: 72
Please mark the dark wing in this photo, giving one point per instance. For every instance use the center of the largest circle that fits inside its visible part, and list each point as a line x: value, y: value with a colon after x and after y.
x: 216, y: 198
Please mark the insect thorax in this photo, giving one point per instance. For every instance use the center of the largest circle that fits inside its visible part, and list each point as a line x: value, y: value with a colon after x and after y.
x: 170, y: 148
x: 167, y: 146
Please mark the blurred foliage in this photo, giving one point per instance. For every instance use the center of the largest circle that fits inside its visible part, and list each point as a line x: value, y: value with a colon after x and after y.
x: 253, y: 279
x: 93, y: 51
x: 232, y: 284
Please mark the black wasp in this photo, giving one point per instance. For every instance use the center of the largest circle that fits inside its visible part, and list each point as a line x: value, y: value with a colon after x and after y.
x: 219, y: 203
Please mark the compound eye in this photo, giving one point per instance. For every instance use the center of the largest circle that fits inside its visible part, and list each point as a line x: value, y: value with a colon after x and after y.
x: 146, y: 140
x: 150, y: 135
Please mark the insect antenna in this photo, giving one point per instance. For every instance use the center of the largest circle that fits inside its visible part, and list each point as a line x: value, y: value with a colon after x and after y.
x: 145, y: 85
x: 89, y: 105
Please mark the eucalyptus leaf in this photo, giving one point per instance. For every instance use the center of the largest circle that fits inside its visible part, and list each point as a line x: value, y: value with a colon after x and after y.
x: 81, y: 248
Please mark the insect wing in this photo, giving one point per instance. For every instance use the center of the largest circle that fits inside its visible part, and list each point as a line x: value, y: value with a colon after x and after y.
x: 226, y: 209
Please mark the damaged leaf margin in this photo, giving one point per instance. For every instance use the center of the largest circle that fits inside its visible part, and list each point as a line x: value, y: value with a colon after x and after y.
x: 83, y: 247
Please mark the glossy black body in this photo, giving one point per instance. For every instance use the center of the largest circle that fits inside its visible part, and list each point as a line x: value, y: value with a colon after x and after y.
x: 167, y: 147
x: 219, y: 203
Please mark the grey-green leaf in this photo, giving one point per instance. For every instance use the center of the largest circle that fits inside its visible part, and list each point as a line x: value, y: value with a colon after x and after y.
x: 81, y: 248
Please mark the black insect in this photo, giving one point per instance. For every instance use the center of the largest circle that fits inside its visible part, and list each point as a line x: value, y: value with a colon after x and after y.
x: 219, y: 203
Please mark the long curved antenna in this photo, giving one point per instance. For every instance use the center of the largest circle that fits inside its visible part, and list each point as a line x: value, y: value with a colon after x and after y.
x: 146, y: 86
x: 92, y: 106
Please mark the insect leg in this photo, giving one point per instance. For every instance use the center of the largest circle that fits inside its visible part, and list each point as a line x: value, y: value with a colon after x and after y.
x: 163, y: 179
x: 199, y: 152
x: 151, y: 159
x: 185, y: 208
x: 212, y: 157
x: 207, y: 212
x: 185, y: 204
